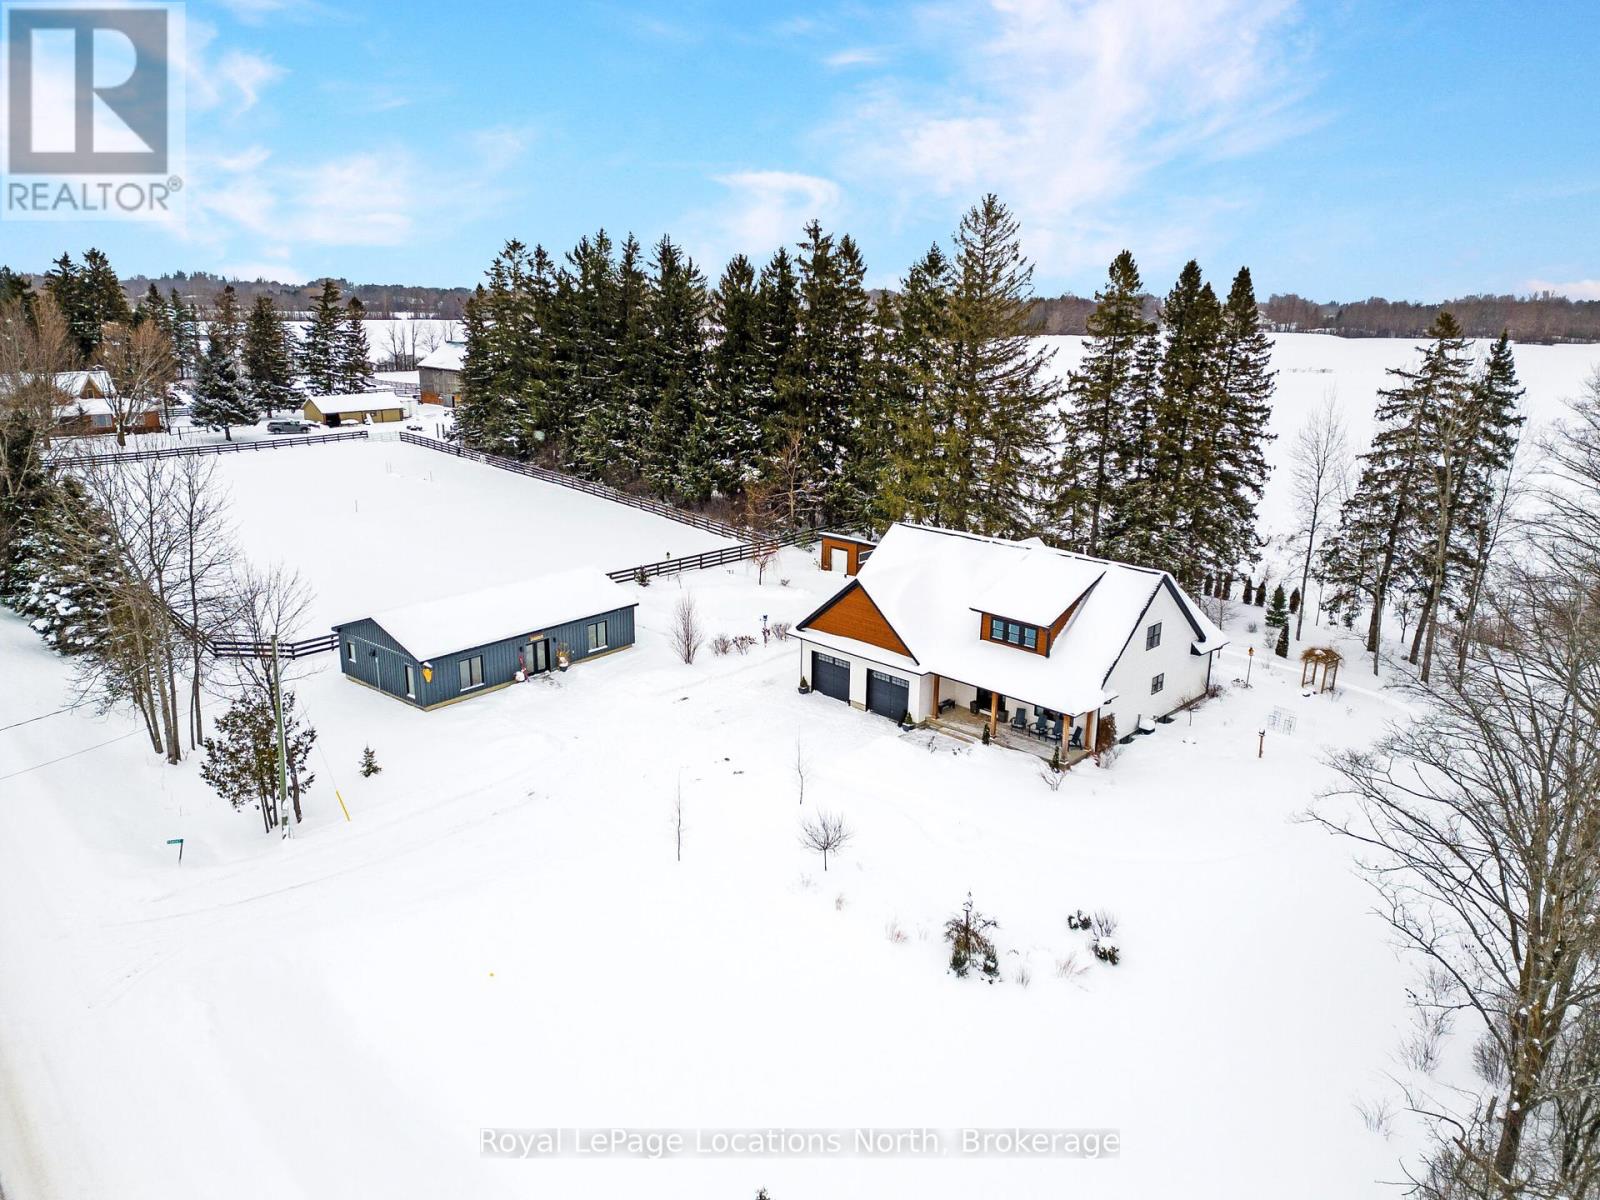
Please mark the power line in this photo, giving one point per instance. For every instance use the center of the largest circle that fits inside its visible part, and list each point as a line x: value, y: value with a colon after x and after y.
x: 64, y: 757
x: 42, y: 716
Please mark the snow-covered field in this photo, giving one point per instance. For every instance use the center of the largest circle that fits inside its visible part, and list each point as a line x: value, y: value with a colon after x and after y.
x: 372, y: 524
x: 501, y: 935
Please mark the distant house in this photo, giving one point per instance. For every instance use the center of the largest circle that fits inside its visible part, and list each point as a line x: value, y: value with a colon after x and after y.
x: 86, y: 407
x: 1039, y: 645
x: 440, y: 374
x: 442, y: 651
x: 358, y: 408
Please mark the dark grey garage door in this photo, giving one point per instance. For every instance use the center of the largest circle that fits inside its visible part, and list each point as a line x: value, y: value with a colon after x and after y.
x: 888, y: 695
x: 830, y: 676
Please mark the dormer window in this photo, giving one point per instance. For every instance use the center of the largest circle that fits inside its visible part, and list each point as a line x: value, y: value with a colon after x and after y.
x: 1013, y: 633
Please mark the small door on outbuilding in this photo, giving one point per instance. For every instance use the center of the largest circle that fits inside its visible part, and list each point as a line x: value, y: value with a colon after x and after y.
x: 888, y: 695
x: 839, y: 560
x: 830, y: 676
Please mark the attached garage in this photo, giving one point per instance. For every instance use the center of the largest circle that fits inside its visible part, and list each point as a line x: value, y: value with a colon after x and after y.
x: 888, y: 695
x: 830, y: 676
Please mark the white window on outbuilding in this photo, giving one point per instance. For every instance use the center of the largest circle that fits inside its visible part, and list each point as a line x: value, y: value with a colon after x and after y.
x: 597, y: 636
x: 471, y: 672
x: 1152, y: 636
x: 1157, y: 683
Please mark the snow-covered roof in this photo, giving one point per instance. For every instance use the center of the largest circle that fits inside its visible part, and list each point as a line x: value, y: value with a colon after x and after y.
x: 70, y: 383
x: 357, y: 402
x: 445, y: 357
x: 435, y: 628
x: 88, y: 406
x: 927, y: 582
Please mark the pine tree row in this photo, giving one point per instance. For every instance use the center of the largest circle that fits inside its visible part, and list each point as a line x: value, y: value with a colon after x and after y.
x: 1417, y: 531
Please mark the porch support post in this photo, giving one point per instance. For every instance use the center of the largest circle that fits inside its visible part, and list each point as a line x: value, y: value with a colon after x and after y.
x: 935, y: 713
x: 1091, y: 730
x: 994, y: 714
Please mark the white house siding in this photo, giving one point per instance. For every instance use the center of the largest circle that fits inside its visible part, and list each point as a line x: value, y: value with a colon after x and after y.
x: 1185, y: 671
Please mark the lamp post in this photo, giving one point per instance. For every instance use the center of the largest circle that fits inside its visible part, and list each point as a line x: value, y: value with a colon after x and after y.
x: 1250, y: 661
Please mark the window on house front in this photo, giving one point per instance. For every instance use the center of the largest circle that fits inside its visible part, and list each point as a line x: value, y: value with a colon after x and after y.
x: 411, y: 682
x: 472, y: 672
x: 350, y: 651
x: 1156, y: 684
x: 597, y: 636
x: 1152, y: 636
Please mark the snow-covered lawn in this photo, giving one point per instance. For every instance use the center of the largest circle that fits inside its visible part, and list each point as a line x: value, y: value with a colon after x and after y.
x: 372, y: 525
x: 501, y: 935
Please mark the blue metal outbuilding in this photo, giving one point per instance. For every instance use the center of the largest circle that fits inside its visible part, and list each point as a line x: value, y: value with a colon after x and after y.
x: 442, y: 651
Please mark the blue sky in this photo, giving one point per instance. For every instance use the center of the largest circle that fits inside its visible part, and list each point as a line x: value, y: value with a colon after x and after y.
x: 1340, y: 149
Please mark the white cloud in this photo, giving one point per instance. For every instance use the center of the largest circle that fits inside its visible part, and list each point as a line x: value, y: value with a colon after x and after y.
x: 232, y: 82
x: 247, y: 74
x: 761, y: 211
x: 1066, y: 107
x: 855, y: 56
x: 1577, y: 289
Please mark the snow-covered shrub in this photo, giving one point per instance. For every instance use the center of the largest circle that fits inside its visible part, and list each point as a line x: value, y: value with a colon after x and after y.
x: 838, y: 902
x: 640, y: 577
x: 780, y: 630
x: 721, y: 644
x: 369, y: 763
x: 1023, y: 976
x: 1053, y: 775
x: 743, y: 642
x: 895, y: 933
x: 1253, y: 627
x: 968, y: 935
x: 1106, y: 950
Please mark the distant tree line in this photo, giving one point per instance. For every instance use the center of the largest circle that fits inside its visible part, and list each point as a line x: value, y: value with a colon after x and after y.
x: 1544, y: 317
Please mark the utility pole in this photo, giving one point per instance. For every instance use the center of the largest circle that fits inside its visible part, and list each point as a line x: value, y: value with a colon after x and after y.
x: 285, y: 815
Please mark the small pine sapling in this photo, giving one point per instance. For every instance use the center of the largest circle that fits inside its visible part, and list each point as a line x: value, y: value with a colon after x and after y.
x: 1282, y: 648
x: 968, y: 935
x: 369, y: 763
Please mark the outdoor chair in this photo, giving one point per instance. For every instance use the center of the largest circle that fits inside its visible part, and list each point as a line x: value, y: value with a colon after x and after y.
x: 1041, y: 724
x: 1076, y: 742
x: 1056, y: 731
x: 1020, y: 721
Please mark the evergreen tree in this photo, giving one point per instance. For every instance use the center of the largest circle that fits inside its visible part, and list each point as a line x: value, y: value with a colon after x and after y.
x: 780, y: 339
x: 915, y: 384
x: 585, y: 393
x: 103, y: 298
x: 268, y: 357
x: 513, y: 331
x: 322, y: 345
x: 185, y: 334
x: 739, y: 388
x: 1278, y: 613
x: 1381, y: 544
x: 1281, y: 647
x: 241, y: 760
x: 1103, y: 403
x: 678, y: 454
x: 352, y: 356
x: 1003, y: 399
x: 1235, y: 473
x: 221, y: 397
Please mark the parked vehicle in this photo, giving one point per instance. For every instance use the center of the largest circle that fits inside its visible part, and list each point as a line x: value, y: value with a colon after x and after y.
x: 290, y: 425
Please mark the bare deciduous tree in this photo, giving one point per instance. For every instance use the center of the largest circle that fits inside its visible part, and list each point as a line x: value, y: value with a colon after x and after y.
x: 140, y: 362
x: 687, y: 634
x: 1321, y: 475
x: 826, y: 833
x: 1479, y: 823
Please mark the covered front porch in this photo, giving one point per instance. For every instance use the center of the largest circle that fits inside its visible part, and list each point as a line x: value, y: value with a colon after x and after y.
x: 965, y: 711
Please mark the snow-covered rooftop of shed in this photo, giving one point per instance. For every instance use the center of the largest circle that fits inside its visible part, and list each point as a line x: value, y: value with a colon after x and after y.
x: 438, y: 627
x: 445, y: 357
x: 927, y: 582
x: 356, y: 402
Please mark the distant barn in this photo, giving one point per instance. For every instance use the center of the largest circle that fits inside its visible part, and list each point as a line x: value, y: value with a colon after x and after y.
x: 440, y: 374
x: 442, y: 651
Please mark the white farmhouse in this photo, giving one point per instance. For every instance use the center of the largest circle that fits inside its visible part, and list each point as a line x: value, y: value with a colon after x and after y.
x: 1040, y: 645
